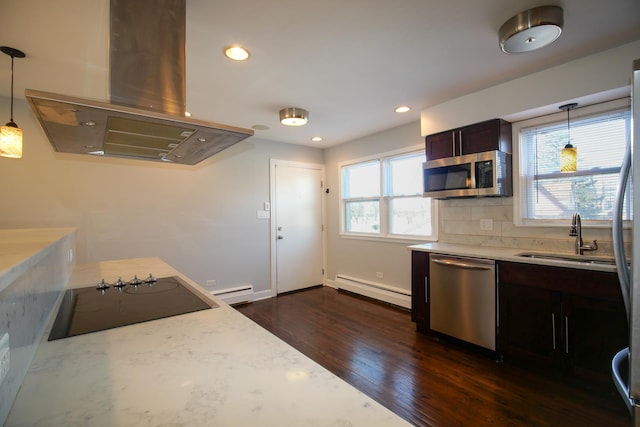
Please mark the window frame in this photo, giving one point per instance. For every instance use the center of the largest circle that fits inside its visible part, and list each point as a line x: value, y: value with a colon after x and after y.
x: 383, y: 200
x: 520, y: 181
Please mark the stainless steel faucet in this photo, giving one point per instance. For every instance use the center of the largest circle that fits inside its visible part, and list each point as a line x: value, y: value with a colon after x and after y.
x: 576, y: 230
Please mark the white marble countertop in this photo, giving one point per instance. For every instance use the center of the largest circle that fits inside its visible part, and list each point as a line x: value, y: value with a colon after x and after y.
x: 21, y: 249
x: 511, y: 254
x: 211, y: 367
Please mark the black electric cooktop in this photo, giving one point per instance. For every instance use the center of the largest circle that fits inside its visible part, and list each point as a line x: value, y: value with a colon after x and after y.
x: 107, y: 306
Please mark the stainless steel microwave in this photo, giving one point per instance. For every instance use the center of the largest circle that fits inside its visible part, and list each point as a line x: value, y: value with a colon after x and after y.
x: 471, y: 175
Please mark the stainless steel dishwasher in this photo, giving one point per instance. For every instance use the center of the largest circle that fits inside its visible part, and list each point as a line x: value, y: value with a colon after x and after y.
x: 463, y: 298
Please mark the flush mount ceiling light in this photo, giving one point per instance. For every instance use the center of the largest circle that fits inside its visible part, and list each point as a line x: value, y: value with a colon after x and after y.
x: 236, y: 53
x: 11, y: 134
x: 402, y: 109
x: 294, y: 116
x: 531, y: 29
x: 569, y: 154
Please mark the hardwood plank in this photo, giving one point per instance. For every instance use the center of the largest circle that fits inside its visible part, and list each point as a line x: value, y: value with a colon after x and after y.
x: 375, y: 347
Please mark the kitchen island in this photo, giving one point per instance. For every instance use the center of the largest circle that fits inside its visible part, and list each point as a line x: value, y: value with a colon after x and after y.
x: 210, y: 367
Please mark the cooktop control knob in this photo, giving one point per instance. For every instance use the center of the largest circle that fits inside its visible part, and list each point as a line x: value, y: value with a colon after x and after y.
x: 151, y: 279
x: 102, y: 285
x: 135, y: 281
x: 120, y: 283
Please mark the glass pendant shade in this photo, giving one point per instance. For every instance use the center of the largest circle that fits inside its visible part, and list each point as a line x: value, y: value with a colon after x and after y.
x: 569, y: 154
x: 569, y: 159
x: 11, y: 141
x: 11, y: 134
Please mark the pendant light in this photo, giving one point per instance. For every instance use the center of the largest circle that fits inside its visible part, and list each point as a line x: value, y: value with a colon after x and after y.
x: 11, y: 134
x: 569, y: 154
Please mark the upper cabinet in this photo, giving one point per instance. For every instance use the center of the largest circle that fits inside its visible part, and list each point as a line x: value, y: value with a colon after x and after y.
x: 491, y: 135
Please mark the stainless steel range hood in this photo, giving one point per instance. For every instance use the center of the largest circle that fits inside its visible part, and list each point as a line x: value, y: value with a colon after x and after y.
x: 145, y: 118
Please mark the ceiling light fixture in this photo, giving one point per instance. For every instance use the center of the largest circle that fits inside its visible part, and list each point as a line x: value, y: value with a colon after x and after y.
x: 294, y: 116
x: 402, y: 109
x: 11, y: 134
x: 236, y: 53
x: 532, y: 29
x: 317, y: 139
x: 569, y: 154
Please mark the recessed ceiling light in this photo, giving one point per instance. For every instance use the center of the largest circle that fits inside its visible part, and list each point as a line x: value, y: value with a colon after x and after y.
x: 316, y: 139
x: 237, y: 53
x: 402, y: 109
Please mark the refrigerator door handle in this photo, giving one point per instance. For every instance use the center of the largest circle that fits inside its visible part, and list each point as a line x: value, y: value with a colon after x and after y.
x: 621, y: 357
x: 624, y: 275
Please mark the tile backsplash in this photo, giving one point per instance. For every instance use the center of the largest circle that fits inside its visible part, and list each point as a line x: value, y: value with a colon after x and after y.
x: 488, y: 221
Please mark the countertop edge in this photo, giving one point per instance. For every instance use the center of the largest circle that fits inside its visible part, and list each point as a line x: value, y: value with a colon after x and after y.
x: 506, y: 254
x: 21, y: 249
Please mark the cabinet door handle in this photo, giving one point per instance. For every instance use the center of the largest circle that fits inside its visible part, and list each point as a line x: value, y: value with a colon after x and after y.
x: 426, y: 290
x: 453, y: 142
x: 566, y: 334
x: 553, y: 329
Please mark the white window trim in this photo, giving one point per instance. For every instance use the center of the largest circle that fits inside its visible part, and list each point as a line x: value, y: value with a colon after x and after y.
x: 384, y: 236
x: 519, y: 183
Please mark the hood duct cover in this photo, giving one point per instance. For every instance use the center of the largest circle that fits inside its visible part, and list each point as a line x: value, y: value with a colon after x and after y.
x: 145, y: 119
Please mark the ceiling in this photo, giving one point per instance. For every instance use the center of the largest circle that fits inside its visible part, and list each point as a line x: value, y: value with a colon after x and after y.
x: 348, y: 62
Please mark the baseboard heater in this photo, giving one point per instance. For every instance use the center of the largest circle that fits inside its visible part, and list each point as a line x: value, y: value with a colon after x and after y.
x: 379, y: 291
x: 237, y: 295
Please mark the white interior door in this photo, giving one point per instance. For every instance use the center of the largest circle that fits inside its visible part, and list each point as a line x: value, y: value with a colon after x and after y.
x: 297, y: 223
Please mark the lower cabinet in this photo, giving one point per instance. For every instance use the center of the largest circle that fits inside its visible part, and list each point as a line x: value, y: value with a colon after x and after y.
x: 565, y: 318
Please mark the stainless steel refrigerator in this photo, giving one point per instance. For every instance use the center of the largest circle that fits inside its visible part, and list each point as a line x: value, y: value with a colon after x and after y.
x: 625, y: 366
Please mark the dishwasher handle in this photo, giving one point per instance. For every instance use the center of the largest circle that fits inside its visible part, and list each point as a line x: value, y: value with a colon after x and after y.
x: 460, y: 264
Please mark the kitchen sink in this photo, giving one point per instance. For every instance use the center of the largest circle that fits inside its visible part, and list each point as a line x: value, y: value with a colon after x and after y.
x: 569, y: 257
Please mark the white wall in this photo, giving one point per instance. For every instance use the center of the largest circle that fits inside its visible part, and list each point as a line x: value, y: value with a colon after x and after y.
x: 363, y: 258
x: 607, y: 73
x: 516, y: 99
x: 200, y: 219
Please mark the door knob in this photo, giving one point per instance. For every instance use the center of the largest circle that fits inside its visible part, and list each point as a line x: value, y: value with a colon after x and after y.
x: 280, y: 237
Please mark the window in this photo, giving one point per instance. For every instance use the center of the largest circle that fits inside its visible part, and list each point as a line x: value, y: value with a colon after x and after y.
x: 382, y: 197
x: 600, y: 135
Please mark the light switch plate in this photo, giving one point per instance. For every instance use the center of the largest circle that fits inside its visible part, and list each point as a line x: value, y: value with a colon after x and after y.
x: 5, y: 353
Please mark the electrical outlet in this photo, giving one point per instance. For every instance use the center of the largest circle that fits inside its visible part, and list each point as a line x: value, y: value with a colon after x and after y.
x: 486, y: 224
x: 5, y: 353
x: 380, y: 275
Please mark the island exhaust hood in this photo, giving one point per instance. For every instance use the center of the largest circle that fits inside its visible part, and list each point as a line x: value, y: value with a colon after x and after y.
x: 146, y: 116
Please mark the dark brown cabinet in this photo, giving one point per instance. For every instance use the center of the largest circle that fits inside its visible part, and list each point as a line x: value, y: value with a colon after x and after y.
x: 490, y: 135
x: 419, y: 290
x: 565, y: 318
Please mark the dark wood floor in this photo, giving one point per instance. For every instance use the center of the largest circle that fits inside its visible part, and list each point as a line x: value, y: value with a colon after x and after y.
x: 375, y: 348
